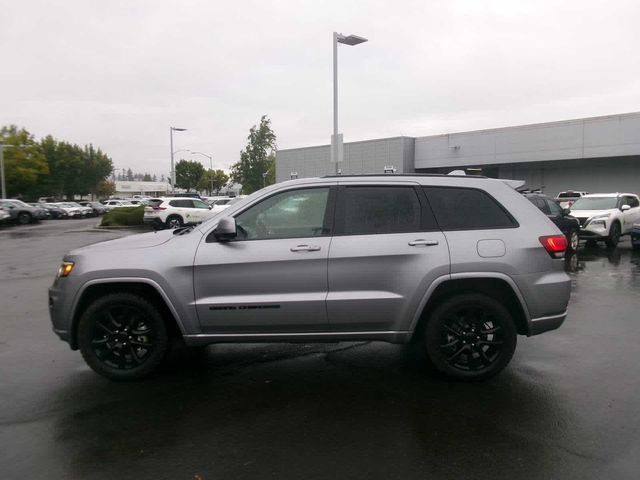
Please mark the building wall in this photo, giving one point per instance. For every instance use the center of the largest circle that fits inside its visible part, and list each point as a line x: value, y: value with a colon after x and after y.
x: 610, y: 136
x: 370, y: 156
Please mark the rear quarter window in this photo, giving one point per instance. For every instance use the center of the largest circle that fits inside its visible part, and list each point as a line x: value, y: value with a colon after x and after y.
x: 460, y: 208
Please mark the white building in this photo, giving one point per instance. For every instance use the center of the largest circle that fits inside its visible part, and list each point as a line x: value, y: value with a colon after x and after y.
x: 147, y: 189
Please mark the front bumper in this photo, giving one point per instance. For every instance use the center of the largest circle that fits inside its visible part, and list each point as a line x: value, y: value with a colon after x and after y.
x: 595, y: 231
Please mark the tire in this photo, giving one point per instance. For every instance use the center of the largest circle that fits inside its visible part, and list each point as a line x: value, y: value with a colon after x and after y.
x: 614, y: 235
x: 572, y: 240
x: 24, y: 218
x: 470, y: 337
x: 122, y: 336
x: 174, y: 221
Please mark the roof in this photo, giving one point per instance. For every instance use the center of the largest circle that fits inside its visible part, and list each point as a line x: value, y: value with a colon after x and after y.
x: 613, y: 195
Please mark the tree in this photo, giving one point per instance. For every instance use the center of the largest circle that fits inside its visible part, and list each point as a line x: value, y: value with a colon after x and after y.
x: 129, y: 175
x: 188, y: 174
x: 105, y: 188
x: 213, y: 180
x: 24, y: 164
x: 257, y: 158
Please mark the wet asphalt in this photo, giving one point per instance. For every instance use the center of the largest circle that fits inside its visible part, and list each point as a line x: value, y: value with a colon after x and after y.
x: 567, y: 407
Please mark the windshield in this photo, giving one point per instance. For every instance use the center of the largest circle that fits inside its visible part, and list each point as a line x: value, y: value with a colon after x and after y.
x: 595, y: 203
x: 237, y: 201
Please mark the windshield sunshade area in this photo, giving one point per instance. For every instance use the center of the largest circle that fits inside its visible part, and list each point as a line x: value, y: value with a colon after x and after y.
x: 595, y: 203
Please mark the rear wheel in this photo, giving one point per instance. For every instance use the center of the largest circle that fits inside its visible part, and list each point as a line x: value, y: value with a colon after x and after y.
x: 174, y: 221
x: 470, y: 337
x: 122, y: 336
x: 614, y: 235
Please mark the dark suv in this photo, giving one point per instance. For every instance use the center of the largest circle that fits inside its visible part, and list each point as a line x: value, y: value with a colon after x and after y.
x: 567, y: 224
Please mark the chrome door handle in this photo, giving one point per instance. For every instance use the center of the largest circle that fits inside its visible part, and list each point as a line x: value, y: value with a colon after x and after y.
x: 305, y: 248
x: 423, y: 243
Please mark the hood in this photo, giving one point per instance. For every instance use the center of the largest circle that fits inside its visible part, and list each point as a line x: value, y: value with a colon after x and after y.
x: 142, y: 240
x: 591, y: 213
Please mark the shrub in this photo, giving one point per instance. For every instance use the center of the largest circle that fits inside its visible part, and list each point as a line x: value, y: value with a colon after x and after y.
x: 123, y: 216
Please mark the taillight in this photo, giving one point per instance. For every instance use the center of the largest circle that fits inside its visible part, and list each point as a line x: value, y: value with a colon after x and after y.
x: 555, y: 245
x: 159, y: 208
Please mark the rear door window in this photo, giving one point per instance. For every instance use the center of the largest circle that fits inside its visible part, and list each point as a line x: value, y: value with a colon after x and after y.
x: 461, y: 208
x: 380, y: 209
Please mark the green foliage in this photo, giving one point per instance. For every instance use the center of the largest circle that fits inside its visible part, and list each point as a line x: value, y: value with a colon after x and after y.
x: 213, y: 181
x: 24, y: 164
x: 188, y: 174
x: 123, y: 216
x: 257, y: 158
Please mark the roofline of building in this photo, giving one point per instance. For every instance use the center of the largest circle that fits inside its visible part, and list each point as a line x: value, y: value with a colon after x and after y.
x: 326, y: 145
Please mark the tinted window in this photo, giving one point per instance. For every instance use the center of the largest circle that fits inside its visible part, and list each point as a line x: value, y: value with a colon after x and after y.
x: 554, y: 208
x: 631, y: 201
x: 467, y: 209
x: 379, y: 210
x: 200, y: 204
x: 292, y: 214
x: 181, y: 203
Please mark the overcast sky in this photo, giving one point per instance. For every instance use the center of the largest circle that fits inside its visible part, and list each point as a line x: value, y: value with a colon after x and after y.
x: 117, y: 73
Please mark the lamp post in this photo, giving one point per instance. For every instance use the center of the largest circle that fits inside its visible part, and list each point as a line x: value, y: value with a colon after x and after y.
x: 350, y: 40
x: 173, y: 171
x: 210, y: 157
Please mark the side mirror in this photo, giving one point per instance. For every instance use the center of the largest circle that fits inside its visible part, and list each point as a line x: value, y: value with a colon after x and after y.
x: 226, y: 229
x: 624, y: 208
x: 566, y: 211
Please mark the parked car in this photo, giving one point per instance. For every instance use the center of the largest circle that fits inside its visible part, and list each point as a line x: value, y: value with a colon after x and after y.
x: 635, y: 236
x: 42, y: 213
x: 566, y: 199
x: 97, y: 207
x: 218, y: 207
x: 111, y: 204
x: 606, y: 216
x: 71, y: 210
x: 172, y: 212
x: 21, y: 212
x: 5, y: 216
x: 458, y: 265
x: 568, y: 224
x: 55, y: 211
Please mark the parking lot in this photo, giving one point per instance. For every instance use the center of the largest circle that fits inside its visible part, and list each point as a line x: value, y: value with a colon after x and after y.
x: 566, y: 407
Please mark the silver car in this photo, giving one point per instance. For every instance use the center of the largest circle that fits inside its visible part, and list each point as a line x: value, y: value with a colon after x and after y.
x: 458, y: 265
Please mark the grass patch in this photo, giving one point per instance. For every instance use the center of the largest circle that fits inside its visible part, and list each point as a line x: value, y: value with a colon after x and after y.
x: 123, y: 216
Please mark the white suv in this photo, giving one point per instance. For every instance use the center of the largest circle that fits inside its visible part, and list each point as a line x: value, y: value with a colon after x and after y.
x: 173, y: 212
x: 606, y: 216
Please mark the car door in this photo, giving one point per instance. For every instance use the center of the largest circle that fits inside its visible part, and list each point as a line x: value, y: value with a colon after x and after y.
x: 200, y: 210
x: 273, y: 276
x: 632, y: 215
x: 385, y: 253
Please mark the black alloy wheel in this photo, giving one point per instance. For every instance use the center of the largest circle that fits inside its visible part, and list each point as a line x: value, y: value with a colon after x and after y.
x: 24, y: 218
x: 122, y: 336
x: 573, y: 240
x: 470, y: 337
x: 174, y: 221
x: 614, y: 235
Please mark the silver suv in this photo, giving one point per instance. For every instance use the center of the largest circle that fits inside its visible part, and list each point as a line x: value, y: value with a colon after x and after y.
x: 458, y: 265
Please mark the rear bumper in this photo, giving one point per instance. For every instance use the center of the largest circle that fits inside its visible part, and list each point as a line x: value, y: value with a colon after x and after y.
x: 154, y: 221
x: 544, y: 324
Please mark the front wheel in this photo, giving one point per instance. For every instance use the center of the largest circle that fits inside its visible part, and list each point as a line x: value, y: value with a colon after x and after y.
x: 470, y: 337
x: 573, y: 240
x: 122, y: 336
x: 614, y: 235
x: 24, y: 218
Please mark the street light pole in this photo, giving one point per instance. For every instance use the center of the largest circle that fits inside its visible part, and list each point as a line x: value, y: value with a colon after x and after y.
x: 350, y: 40
x: 210, y: 157
x: 173, y: 171
x: 4, y: 189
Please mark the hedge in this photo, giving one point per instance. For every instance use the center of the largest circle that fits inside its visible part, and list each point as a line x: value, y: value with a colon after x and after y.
x: 123, y: 216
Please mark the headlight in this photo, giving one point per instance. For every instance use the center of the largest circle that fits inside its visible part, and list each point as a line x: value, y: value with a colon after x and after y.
x: 65, y: 269
x: 596, y: 223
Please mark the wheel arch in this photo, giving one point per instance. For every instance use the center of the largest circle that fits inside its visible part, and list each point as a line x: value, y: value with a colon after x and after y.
x: 149, y: 289
x: 493, y: 284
